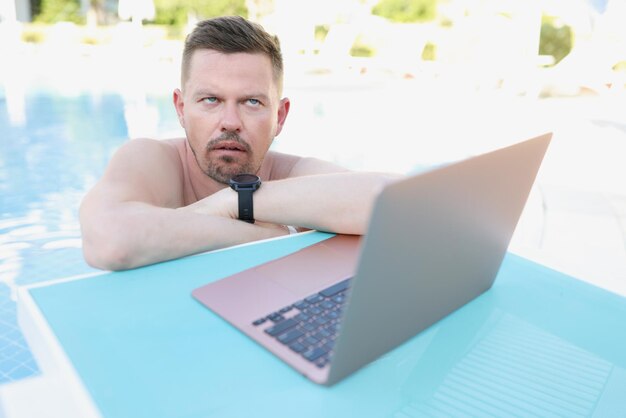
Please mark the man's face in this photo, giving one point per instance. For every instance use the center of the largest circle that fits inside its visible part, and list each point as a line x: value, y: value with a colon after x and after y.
x: 231, y: 111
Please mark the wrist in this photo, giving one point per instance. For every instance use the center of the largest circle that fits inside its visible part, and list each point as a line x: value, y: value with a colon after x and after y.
x: 221, y: 203
x: 229, y: 203
x: 245, y: 185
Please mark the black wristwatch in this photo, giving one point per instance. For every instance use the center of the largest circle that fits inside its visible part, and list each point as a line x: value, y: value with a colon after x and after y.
x: 245, y: 185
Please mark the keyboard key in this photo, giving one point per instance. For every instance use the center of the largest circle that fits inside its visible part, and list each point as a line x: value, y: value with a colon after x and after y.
x: 285, y: 309
x: 327, y: 304
x: 314, y: 310
x: 340, y: 299
x: 301, y: 304
x: 323, y: 333
x: 275, y: 317
x: 259, y: 321
x: 321, y: 362
x: 320, y: 320
x: 332, y: 315
x: 314, y: 298
x: 281, y: 327
x: 311, y: 340
x: 320, y: 335
x: 301, y: 317
x: 297, y: 347
x: 313, y: 354
x: 290, y: 336
x: 333, y: 290
x: 309, y: 326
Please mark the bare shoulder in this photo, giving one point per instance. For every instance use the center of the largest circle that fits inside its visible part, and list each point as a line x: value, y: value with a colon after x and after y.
x: 145, y: 170
x: 148, y: 149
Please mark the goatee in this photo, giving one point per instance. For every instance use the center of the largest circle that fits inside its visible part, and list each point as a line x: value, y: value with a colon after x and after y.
x: 225, y: 167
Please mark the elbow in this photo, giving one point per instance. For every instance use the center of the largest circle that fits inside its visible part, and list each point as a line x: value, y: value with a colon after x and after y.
x: 107, y: 256
x: 107, y: 243
x: 104, y: 251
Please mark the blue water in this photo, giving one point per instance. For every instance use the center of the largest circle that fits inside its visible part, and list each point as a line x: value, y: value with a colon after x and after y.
x: 53, y: 149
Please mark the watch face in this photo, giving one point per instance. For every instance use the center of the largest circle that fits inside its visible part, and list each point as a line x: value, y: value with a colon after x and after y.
x: 245, y: 178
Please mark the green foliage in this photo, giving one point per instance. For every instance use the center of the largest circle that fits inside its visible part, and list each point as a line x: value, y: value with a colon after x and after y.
x: 321, y: 31
x: 555, y: 40
x: 430, y: 52
x: 361, y: 49
x: 53, y: 11
x: 170, y: 12
x: 33, y: 33
x: 406, y: 11
x: 175, y: 12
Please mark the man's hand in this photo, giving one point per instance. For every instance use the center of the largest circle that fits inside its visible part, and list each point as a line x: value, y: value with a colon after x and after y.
x: 224, y: 203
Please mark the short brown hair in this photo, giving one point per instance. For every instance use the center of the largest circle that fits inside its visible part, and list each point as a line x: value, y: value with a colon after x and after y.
x: 231, y: 34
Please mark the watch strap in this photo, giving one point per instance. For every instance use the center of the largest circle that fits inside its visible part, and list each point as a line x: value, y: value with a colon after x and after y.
x: 246, y: 211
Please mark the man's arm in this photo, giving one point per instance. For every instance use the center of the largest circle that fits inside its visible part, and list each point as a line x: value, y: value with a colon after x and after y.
x: 133, y: 216
x: 130, y: 218
x: 339, y: 202
x: 323, y: 196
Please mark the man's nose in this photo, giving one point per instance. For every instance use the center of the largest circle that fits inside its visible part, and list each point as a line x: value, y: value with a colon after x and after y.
x: 231, y: 120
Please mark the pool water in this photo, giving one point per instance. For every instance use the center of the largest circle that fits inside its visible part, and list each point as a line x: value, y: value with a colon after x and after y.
x: 53, y: 149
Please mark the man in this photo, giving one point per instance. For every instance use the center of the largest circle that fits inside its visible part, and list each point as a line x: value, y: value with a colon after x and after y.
x: 160, y: 200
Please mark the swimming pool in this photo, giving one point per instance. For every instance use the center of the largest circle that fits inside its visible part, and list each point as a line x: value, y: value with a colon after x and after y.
x: 54, y: 148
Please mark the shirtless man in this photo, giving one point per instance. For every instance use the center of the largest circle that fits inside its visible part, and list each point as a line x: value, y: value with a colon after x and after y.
x: 160, y: 200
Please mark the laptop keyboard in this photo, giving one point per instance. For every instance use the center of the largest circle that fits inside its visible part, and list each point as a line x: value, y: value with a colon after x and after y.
x: 309, y: 326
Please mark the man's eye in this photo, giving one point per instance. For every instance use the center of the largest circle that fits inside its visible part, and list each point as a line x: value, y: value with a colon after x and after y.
x: 210, y: 99
x: 254, y: 102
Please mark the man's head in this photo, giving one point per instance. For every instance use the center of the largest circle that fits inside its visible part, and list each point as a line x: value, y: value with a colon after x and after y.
x: 231, y: 34
x: 229, y: 103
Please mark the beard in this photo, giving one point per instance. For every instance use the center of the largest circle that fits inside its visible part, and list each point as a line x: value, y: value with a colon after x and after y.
x: 223, y: 168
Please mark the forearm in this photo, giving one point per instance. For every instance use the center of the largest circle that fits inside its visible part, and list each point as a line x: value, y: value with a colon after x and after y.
x: 338, y: 202
x: 133, y: 234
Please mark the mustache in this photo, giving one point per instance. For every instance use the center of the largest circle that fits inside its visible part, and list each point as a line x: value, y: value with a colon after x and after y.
x: 228, y: 136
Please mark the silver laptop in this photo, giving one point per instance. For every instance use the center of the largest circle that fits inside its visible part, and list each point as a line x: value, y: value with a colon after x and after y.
x: 435, y: 242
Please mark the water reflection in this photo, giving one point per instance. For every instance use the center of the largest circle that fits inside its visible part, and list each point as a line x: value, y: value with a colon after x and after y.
x: 53, y: 149
x: 515, y: 368
x: 47, y: 164
x: 516, y: 352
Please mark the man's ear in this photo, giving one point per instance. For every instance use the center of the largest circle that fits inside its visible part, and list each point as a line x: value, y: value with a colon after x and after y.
x: 283, y: 111
x: 179, y: 104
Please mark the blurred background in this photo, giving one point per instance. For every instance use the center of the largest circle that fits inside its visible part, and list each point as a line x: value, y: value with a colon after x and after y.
x: 387, y: 85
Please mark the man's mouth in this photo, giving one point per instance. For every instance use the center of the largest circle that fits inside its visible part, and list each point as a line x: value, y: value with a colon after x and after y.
x: 228, y: 146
